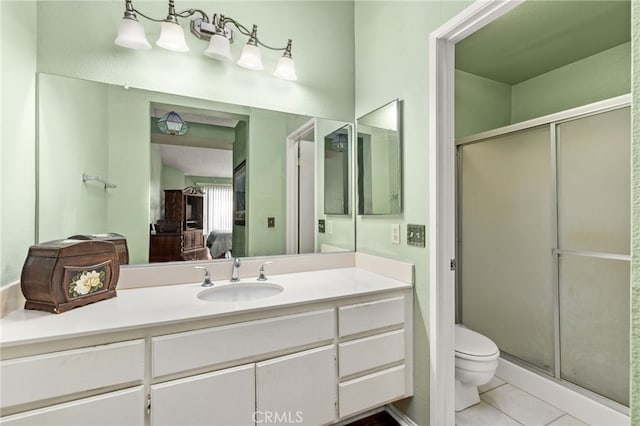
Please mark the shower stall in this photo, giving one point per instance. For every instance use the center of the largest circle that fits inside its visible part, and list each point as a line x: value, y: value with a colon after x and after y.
x: 543, y: 241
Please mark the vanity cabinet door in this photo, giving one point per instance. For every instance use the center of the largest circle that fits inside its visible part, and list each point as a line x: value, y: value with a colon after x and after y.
x: 225, y: 397
x: 297, y: 389
x: 124, y: 408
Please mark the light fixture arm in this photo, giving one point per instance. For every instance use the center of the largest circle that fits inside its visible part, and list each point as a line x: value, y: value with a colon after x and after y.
x: 251, y: 34
x: 218, y: 21
x: 217, y: 31
x: 131, y: 11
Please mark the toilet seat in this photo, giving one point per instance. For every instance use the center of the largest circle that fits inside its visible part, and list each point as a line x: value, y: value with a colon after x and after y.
x: 474, y: 346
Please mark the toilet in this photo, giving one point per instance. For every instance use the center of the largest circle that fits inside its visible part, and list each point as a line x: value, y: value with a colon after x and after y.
x: 476, y: 363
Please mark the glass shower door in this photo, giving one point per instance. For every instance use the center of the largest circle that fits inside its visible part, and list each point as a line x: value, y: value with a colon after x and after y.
x: 504, y: 223
x: 593, y: 200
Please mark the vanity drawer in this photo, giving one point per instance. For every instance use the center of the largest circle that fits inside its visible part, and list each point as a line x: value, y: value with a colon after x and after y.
x: 115, y: 408
x: 368, y: 316
x: 54, y: 374
x: 371, y: 391
x: 201, y: 348
x: 371, y: 352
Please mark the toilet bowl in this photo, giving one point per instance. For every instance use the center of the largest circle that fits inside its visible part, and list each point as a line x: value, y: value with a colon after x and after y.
x: 476, y: 359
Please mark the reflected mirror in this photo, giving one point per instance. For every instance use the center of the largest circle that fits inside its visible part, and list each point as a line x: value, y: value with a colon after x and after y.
x: 337, y: 152
x: 379, y: 161
x: 232, y: 158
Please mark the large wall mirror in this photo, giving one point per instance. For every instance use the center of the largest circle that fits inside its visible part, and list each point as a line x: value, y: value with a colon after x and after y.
x: 379, y: 161
x: 231, y: 165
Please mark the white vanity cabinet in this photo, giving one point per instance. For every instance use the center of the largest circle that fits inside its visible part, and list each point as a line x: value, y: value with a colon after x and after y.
x: 221, y: 398
x: 71, y: 374
x: 298, y: 388
x: 312, y: 364
x: 375, y: 353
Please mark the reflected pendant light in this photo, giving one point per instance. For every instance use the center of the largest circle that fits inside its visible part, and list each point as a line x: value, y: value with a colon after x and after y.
x: 339, y: 142
x: 172, y: 124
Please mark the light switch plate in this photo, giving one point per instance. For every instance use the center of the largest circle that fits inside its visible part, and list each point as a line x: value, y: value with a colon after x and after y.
x: 271, y: 222
x: 416, y: 235
x: 395, y: 233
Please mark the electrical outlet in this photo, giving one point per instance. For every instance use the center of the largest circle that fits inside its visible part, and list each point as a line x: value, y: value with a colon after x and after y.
x: 416, y: 235
x: 329, y: 227
x: 395, y: 233
x: 321, y: 226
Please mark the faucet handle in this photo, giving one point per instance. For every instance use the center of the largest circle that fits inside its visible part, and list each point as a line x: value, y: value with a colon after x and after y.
x: 261, y: 276
x: 207, y: 277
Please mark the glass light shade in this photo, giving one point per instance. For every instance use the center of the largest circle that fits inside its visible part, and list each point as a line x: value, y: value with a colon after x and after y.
x: 172, y: 124
x: 286, y: 69
x: 172, y: 37
x: 219, y: 47
x: 131, y: 35
x: 251, y: 58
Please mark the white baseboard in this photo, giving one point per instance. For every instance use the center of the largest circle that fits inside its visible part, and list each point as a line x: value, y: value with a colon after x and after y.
x: 579, y: 406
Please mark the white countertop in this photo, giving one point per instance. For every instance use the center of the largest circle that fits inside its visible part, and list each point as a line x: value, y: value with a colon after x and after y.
x: 154, y: 306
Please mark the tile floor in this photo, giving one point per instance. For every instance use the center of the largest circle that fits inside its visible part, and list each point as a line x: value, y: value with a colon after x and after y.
x: 502, y: 404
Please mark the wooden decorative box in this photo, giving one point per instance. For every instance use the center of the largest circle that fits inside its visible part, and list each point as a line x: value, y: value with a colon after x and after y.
x: 64, y: 274
x: 117, y: 239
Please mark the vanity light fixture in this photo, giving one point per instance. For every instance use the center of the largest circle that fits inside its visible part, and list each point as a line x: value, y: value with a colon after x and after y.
x: 217, y: 31
x: 172, y: 124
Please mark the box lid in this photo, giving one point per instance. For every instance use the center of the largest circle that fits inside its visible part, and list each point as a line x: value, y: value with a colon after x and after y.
x: 71, y: 247
x: 111, y: 236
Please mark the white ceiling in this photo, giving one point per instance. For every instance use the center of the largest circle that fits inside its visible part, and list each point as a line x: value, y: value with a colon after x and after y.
x: 194, y: 161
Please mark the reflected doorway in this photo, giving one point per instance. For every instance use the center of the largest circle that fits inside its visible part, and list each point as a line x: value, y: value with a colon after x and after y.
x: 301, y: 189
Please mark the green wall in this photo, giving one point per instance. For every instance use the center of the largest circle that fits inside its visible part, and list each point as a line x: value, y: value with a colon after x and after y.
x: 483, y: 104
x: 635, y: 216
x: 598, y: 77
x: 480, y: 104
x: 17, y: 135
x: 266, y: 178
x: 83, y: 47
x: 73, y: 139
x: 403, y: 74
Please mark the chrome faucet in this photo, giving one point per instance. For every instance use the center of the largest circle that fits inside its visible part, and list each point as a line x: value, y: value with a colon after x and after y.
x: 207, y: 277
x: 261, y: 276
x: 234, y: 272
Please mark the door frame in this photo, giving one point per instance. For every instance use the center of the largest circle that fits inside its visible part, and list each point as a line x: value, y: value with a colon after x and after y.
x: 293, y: 138
x: 442, y: 203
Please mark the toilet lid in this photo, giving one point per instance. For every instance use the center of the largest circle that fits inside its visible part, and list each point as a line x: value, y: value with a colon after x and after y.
x: 468, y: 342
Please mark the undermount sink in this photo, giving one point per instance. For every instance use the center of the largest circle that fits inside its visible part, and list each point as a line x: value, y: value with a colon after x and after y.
x: 241, y: 292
